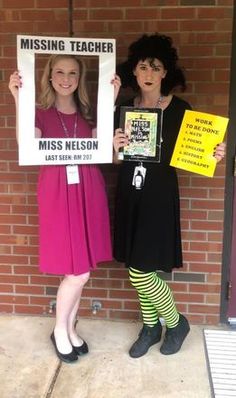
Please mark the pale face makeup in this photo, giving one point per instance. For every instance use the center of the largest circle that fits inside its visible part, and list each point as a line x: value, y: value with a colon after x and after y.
x: 149, y: 74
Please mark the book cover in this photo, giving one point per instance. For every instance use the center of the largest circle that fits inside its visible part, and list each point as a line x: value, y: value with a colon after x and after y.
x: 143, y: 127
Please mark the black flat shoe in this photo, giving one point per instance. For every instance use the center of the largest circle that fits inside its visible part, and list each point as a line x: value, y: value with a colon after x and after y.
x: 68, y: 358
x: 82, y: 349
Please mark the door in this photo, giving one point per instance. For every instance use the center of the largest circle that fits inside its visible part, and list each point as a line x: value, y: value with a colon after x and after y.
x: 231, y: 312
x: 228, y: 286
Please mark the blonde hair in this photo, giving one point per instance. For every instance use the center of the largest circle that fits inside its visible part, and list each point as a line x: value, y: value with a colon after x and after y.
x: 47, y: 96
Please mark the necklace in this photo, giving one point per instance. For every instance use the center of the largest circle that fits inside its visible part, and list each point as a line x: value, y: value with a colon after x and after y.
x: 65, y: 129
x: 159, y: 101
x: 157, y: 105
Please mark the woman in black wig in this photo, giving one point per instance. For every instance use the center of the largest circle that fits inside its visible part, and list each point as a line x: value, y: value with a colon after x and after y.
x: 147, y: 236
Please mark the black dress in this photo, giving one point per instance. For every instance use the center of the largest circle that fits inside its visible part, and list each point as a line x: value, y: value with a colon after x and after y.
x: 147, y: 222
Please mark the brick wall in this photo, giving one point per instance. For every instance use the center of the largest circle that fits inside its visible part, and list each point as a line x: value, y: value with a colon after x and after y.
x: 202, y: 32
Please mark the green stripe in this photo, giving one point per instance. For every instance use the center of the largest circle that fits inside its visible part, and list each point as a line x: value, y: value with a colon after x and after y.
x: 155, y: 298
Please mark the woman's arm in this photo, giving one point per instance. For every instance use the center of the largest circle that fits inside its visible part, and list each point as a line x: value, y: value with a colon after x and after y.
x: 15, y: 83
x: 14, y: 86
x: 117, y: 84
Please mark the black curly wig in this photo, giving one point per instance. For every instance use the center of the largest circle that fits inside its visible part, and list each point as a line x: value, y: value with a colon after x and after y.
x: 151, y: 47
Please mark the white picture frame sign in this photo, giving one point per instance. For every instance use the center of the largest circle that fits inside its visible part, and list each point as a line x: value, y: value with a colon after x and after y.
x: 38, y: 151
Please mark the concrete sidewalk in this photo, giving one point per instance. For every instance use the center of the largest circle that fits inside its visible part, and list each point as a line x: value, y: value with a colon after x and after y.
x: 29, y: 367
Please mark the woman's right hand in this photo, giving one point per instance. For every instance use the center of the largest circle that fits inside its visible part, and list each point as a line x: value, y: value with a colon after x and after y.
x: 117, y: 84
x: 120, y: 140
x: 14, y: 84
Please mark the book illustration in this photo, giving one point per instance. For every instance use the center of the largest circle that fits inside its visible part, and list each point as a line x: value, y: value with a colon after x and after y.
x: 143, y: 129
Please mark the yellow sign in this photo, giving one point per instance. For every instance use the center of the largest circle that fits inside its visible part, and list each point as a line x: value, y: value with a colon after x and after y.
x: 198, y: 136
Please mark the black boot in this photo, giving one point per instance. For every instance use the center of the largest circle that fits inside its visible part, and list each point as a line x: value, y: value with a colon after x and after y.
x: 147, y: 337
x: 174, y: 337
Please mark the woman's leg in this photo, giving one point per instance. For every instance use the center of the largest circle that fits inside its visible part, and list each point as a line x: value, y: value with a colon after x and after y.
x: 158, y: 294
x: 73, y: 336
x: 151, y: 332
x: 149, y: 312
x: 68, y: 298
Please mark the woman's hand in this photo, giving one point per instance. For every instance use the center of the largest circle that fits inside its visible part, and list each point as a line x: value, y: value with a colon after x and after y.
x: 94, y: 132
x: 120, y: 140
x: 14, y: 84
x: 117, y: 84
x: 219, y: 153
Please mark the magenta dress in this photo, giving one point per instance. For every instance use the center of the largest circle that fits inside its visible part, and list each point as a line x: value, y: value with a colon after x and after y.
x: 74, y: 227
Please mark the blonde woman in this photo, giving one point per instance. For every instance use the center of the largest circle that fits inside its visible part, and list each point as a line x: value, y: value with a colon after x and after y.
x: 74, y: 228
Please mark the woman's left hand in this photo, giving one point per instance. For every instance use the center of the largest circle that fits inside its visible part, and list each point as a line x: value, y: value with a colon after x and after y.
x: 117, y: 84
x: 219, y: 153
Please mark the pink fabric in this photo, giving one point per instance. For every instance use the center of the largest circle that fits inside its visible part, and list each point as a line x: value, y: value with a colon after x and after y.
x: 74, y: 219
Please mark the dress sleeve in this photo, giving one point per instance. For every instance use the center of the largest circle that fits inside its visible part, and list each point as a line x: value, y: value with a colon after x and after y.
x: 38, y: 119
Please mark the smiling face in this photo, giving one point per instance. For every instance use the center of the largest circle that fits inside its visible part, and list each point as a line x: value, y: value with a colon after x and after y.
x: 65, y: 76
x: 149, y: 74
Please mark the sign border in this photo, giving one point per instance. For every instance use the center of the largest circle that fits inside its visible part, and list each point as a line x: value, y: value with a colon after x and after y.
x: 101, y: 148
